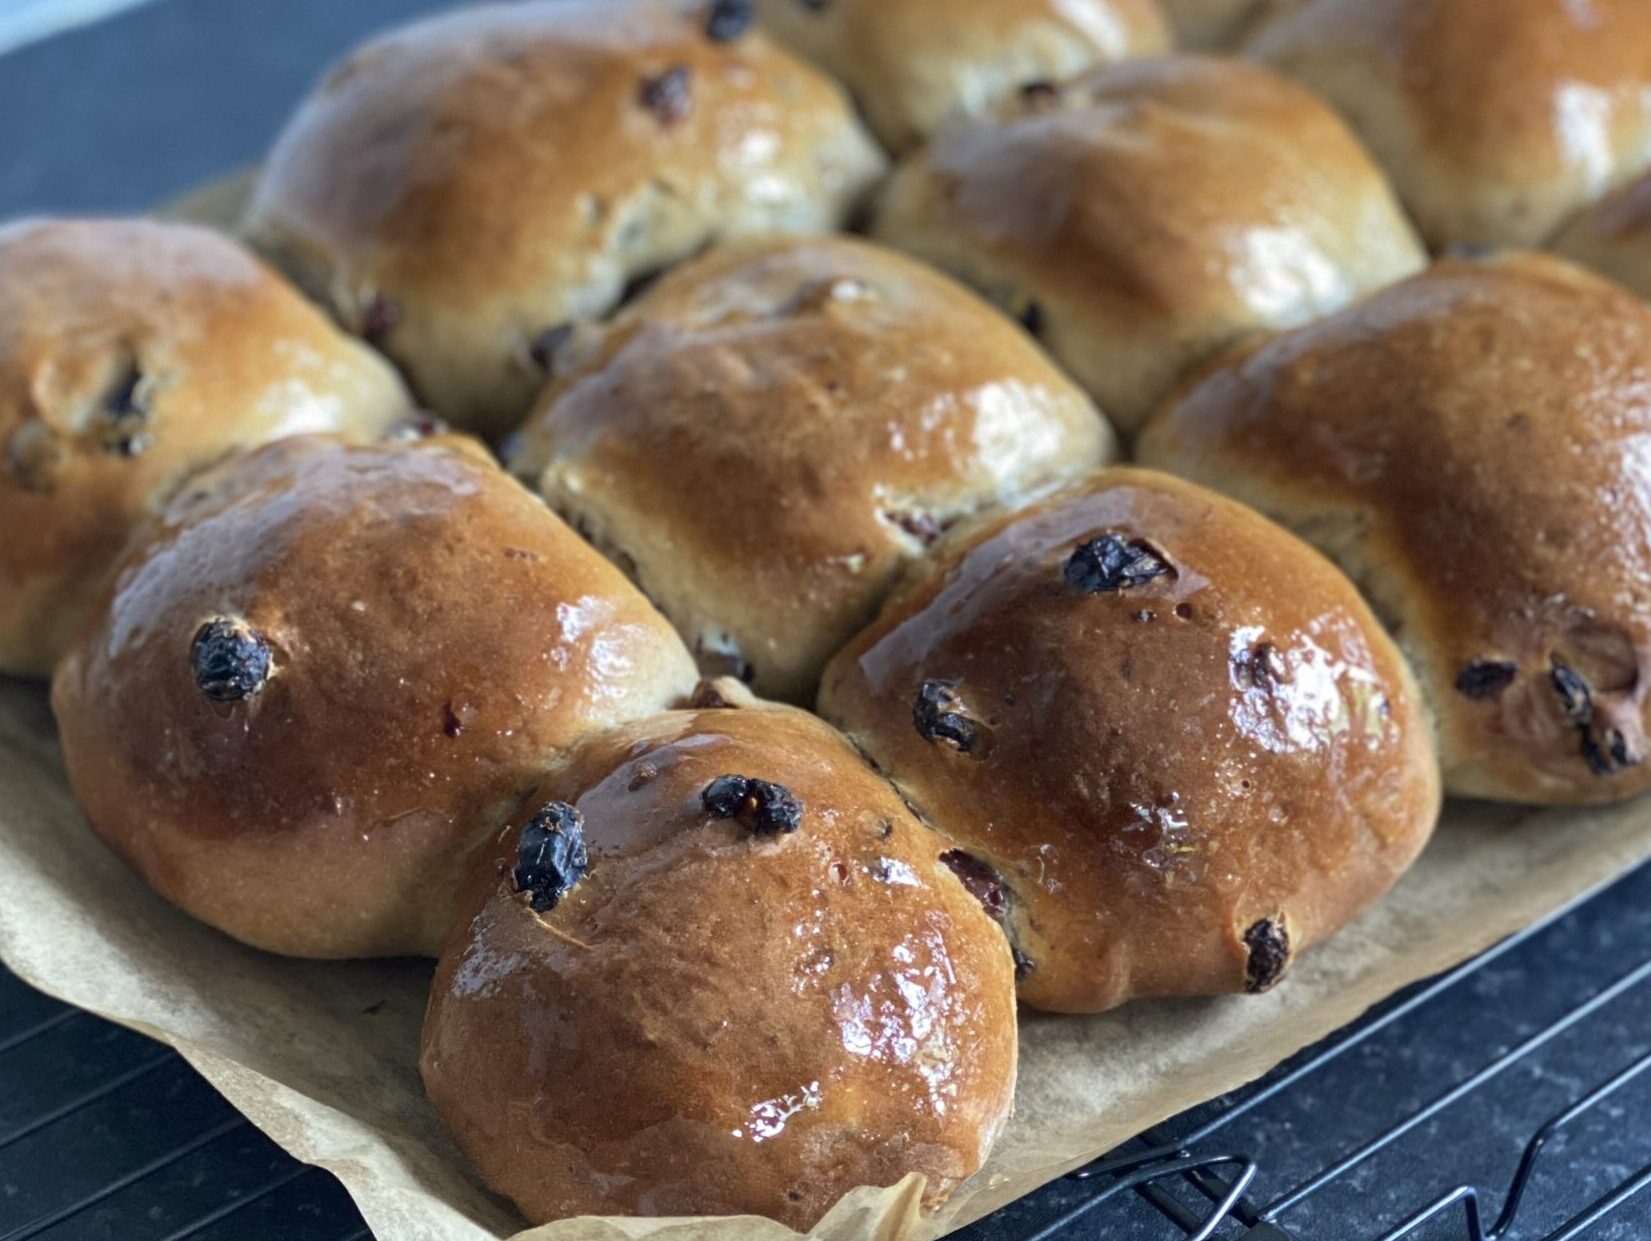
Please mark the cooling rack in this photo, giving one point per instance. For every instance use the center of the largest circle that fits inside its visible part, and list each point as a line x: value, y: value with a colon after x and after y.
x: 1507, y: 1099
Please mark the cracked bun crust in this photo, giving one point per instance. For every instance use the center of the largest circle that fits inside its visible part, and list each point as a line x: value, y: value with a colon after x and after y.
x: 326, y: 670
x: 1495, y: 118
x: 459, y: 187
x: 1143, y: 217
x: 133, y: 353
x: 1469, y: 445
x: 673, y: 993
x: 771, y: 432
x: 1170, y: 742
x: 914, y: 64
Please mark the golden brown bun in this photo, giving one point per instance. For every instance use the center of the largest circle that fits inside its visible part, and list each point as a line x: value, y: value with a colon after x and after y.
x: 1469, y: 445
x: 1495, y: 118
x: 406, y: 640
x: 1219, y: 24
x: 721, y: 1016
x: 914, y: 64
x: 1177, y: 743
x: 131, y: 354
x: 1614, y: 236
x: 1151, y: 213
x: 772, y: 431
x: 459, y: 187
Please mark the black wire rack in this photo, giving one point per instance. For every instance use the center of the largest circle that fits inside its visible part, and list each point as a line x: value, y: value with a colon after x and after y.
x: 1528, y: 1066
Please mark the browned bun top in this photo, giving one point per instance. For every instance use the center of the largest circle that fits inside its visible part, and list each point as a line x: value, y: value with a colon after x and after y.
x: 1614, y: 236
x: 913, y: 64
x: 1470, y: 445
x: 131, y: 354
x: 1148, y: 214
x: 770, y: 432
x: 1173, y: 739
x: 1218, y: 24
x: 328, y: 668
x: 716, y: 967
x: 1495, y: 118
x: 460, y: 186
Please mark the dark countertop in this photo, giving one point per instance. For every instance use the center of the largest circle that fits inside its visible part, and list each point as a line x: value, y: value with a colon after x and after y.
x: 105, y: 1135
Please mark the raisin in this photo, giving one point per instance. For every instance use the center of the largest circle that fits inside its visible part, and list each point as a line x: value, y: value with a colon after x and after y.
x: 1268, y: 942
x: 550, y: 854
x: 546, y: 344
x: 377, y: 318
x: 924, y: 527
x: 1040, y: 93
x: 764, y: 807
x: 1260, y: 667
x: 667, y: 95
x: 1112, y: 563
x: 939, y: 716
x: 1024, y: 964
x: 232, y: 661
x: 125, y: 428
x: 727, y: 20
x: 983, y: 883
x: 1575, y: 699
x: 1485, y: 678
x: 1606, y: 751
x: 420, y: 425
x: 1031, y: 318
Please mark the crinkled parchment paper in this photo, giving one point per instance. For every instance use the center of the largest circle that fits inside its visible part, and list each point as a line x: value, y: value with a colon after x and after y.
x: 322, y: 1056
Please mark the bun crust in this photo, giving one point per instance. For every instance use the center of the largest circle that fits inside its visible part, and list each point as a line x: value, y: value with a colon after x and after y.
x: 914, y: 64
x: 1468, y: 445
x: 1150, y: 214
x: 1495, y: 118
x: 462, y: 185
x: 773, y: 430
x: 327, y: 670
x: 1174, y: 783
x: 714, y: 1021
x: 131, y: 354
x: 1614, y: 236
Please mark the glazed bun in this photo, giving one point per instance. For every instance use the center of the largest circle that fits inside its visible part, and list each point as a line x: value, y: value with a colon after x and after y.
x: 1614, y: 236
x: 1495, y: 118
x: 131, y: 354
x: 716, y: 967
x: 327, y: 670
x: 1221, y: 24
x: 1170, y: 743
x: 1143, y: 217
x: 1469, y: 445
x: 773, y: 430
x: 914, y: 64
x: 458, y: 188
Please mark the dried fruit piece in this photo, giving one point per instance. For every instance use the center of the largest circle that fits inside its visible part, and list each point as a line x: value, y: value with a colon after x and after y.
x: 1040, y: 93
x: 1112, y: 563
x: 924, y: 527
x: 125, y: 428
x: 1485, y: 678
x: 982, y: 882
x: 1268, y: 942
x: 378, y: 316
x: 728, y: 19
x: 1260, y: 667
x: 1606, y: 750
x: 550, y: 854
x: 668, y: 95
x: 1031, y: 318
x: 231, y: 660
x: 939, y: 716
x: 763, y: 806
x: 1575, y: 699
x: 545, y: 345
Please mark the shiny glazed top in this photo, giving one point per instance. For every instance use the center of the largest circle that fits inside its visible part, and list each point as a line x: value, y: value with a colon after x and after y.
x: 771, y: 431
x: 1179, y: 783
x: 1495, y: 118
x: 1472, y: 444
x: 913, y: 64
x: 716, y: 1021
x: 1149, y: 213
x: 457, y: 187
x: 432, y: 639
x: 131, y: 354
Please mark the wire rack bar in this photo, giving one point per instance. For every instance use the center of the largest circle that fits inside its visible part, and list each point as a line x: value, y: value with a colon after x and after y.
x: 84, y: 1100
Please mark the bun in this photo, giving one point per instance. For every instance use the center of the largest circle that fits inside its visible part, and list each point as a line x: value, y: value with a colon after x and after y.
x: 327, y: 670
x: 914, y: 64
x: 1147, y: 215
x: 1614, y: 236
x: 133, y: 353
x: 460, y: 187
x: 767, y: 435
x: 672, y: 996
x: 1221, y: 24
x: 1468, y: 444
x: 1167, y: 740
x: 1495, y: 118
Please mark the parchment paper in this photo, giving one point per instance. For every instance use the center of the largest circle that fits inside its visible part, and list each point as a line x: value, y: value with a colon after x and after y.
x: 322, y: 1056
